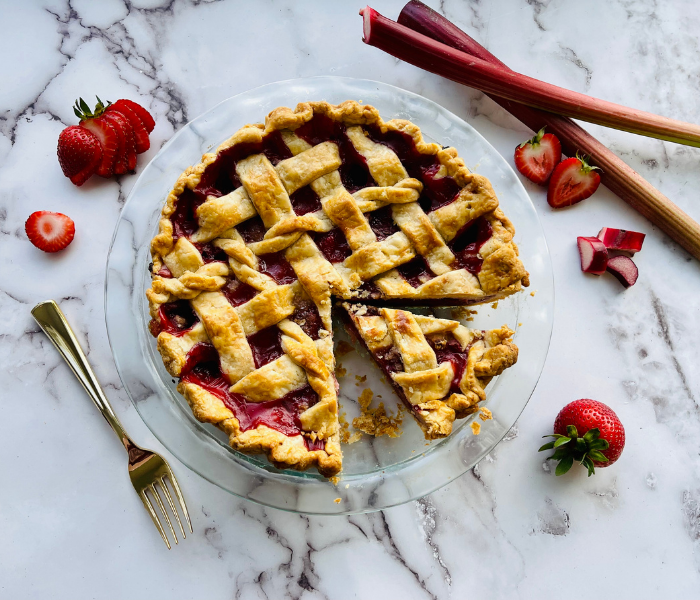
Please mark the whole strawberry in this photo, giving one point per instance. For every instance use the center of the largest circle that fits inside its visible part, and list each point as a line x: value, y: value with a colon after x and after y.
x: 586, y: 431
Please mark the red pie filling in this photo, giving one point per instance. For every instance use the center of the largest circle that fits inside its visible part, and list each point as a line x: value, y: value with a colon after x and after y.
x: 203, y: 369
x: 382, y: 223
x: 305, y: 200
x: 467, y: 244
x: 416, y: 271
x: 210, y: 253
x: 251, y: 230
x: 449, y: 349
x: 306, y: 316
x: 238, y: 293
x: 333, y: 245
x: 266, y: 345
x: 277, y: 266
x: 177, y: 317
x: 184, y: 219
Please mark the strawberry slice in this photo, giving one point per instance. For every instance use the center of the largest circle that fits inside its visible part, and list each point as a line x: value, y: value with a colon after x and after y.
x: 79, y: 153
x: 142, y: 113
x: 49, y: 231
x: 573, y: 180
x: 141, y: 140
x: 123, y: 129
x: 537, y: 157
x: 109, y: 139
x: 129, y: 138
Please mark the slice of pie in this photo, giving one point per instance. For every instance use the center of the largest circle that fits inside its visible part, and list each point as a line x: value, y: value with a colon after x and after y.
x: 255, y: 240
x: 438, y: 367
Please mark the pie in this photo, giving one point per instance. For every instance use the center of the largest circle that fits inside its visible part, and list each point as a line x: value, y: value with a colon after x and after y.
x: 254, y: 242
x: 438, y: 367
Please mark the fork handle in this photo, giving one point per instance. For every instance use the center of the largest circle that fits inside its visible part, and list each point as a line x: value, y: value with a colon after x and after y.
x: 52, y: 320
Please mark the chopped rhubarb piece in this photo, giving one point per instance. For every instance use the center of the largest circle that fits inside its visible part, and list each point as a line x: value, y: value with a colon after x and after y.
x: 621, y: 239
x: 594, y: 255
x: 624, y: 270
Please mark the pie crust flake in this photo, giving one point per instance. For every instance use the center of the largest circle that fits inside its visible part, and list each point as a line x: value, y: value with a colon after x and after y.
x: 323, y: 201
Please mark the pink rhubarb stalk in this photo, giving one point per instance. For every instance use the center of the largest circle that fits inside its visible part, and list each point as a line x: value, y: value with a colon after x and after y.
x: 617, y: 176
x: 426, y: 53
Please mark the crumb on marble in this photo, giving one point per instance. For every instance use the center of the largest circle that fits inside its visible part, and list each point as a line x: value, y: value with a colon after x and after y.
x: 341, y: 371
x: 495, y: 304
x: 361, y: 378
x: 376, y: 421
x: 343, y: 348
x: 485, y: 414
x: 520, y: 324
x: 476, y: 428
x: 337, y: 500
x: 532, y: 293
x: 334, y: 480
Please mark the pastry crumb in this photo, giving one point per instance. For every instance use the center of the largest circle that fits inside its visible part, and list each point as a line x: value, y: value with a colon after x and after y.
x: 520, y: 324
x: 476, y: 428
x: 532, y: 293
x: 361, y: 379
x: 462, y: 312
x: 343, y: 348
x: 341, y: 371
x: 376, y: 421
x: 337, y: 500
x: 345, y: 436
x: 495, y: 304
x: 334, y: 480
x: 485, y: 414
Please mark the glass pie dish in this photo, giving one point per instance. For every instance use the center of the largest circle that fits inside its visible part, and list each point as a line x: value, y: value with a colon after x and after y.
x: 377, y: 472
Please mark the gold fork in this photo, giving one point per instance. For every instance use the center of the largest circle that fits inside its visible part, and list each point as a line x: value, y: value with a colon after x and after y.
x: 146, y: 468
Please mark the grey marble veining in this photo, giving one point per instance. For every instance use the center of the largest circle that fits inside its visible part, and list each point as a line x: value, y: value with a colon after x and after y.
x: 72, y: 526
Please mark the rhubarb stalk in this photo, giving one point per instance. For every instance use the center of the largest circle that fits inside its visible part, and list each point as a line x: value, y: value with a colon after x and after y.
x: 433, y: 56
x: 617, y: 176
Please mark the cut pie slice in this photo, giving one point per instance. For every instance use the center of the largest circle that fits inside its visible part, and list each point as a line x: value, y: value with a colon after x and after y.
x: 438, y: 367
x: 256, y: 240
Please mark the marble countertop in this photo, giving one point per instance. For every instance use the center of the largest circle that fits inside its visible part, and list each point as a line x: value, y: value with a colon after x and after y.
x: 71, y: 525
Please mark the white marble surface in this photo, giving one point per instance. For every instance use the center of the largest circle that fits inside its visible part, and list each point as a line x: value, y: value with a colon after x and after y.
x: 72, y: 526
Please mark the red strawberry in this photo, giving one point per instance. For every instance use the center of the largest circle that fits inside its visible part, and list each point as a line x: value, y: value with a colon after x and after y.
x: 537, y: 157
x: 79, y: 153
x: 573, y: 180
x: 49, y: 231
x: 142, y: 113
x: 602, y: 441
x: 141, y: 140
x: 105, y: 131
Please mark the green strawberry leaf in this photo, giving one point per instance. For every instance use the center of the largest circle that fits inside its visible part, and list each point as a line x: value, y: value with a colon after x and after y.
x: 564, y: 465
x: 561, y: 441
x: 592, y: 434
x: 571, y: 431
x: 598, y: 445
x: 598, y: 455
x: 548, y: 446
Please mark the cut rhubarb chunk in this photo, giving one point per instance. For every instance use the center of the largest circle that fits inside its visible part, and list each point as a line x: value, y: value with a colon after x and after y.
x: 624, y: 270
x: 594, y: 255
x: 621, y: 239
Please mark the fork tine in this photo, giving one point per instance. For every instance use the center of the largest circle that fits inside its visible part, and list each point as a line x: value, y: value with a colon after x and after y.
x: 169, y: 498
x: 159, y: 500
x: 180, y: 499
x: 154, y: 516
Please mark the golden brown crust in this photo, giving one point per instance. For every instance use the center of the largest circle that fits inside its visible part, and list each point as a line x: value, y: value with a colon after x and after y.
x: 266, y: 191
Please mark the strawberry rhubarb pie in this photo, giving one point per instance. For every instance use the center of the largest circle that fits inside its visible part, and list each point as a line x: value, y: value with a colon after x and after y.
x: 325, y: 203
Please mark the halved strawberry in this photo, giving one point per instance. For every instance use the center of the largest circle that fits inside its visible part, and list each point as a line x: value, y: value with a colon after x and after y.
x: 141, y: 140
x: 573, y: 180
x: 142, y: 113
x: 537, y: 157
x: 49, y: 231
x: 122, y: 127
x: 79, y: 153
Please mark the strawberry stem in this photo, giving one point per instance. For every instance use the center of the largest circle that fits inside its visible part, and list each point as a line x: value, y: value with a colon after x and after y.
x: 570, y: 447
x: 83, y: 112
